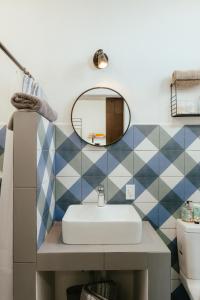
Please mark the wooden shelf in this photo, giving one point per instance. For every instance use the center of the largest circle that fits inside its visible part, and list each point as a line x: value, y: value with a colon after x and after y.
x: 174, y: 99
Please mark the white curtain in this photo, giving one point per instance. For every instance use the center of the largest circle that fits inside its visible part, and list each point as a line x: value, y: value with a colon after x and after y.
x: 6, y: 222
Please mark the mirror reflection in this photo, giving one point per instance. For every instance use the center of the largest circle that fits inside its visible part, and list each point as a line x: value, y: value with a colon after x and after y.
x: 100, y: 116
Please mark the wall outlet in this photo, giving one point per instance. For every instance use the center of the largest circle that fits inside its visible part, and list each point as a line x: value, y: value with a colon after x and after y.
x: 130, y: 192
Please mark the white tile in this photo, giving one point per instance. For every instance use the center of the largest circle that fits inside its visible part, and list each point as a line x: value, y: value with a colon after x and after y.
x: 39, y: 222
x: 195, y: 155
x: 195, y: 197
x: 174, y: 274
x: 71, y: 168
x: 91, y: 198
x: 195, y: 146
x: 170, y: 131
x: 120, y: 182
x: 171, y: 171
x: 166, y: 184
x: 68, y: 171
x: 170, y: 223
x: 120, y: 170
x: 67, y: 182
x: 145, y: 208
x: 93, y: 156
x: 146, y: 197
x: 169, y: 232
x: 146, y: 156
x: 146, y: 144
x: 64, y: 183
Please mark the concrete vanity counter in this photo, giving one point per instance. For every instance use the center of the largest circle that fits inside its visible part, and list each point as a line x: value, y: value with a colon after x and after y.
x: 55, y: 255
x: 151, y: 254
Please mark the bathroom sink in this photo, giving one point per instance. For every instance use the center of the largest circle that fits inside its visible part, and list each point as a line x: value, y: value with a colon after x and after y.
x: 110, y: 224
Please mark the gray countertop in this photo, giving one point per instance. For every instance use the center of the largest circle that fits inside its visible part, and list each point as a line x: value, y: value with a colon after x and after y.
x: 151, y: 243
x: 54, y: 255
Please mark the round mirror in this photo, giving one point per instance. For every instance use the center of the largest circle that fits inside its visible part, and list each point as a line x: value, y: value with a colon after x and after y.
x: 100, y: 116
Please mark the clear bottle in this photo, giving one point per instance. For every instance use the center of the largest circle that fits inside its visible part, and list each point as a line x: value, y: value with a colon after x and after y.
x: 196, y: 213
x: 187, y: 212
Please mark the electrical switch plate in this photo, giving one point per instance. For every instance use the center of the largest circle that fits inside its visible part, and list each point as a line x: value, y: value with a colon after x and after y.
x: 130, y: 192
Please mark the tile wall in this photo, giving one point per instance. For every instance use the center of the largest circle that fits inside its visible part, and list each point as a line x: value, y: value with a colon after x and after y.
x: 162, y: 161
x: 45, y: 178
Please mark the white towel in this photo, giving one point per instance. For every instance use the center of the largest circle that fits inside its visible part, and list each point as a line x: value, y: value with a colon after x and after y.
x: 186, y: 78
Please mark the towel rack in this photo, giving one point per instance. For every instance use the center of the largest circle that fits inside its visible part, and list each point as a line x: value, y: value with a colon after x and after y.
x: 174, y: 99
x: 7, y: 52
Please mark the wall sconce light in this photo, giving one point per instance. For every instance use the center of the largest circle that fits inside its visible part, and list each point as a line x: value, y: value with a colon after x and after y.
x: 100, y: 59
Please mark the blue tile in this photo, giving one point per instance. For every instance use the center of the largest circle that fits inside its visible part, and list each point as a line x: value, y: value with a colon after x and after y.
x: 149, y: 132
x: 190, y: 136
x: 138, y: 136
x: 192, y: 184
x: 146, y: 171
x: 154, y: 163
x: 2, y: 137
x: 163, y: 215
x: 126, y: 143
x: 174, y: 255
x: 152, y: 217
x: 63, y: 158
x: 149, y: 184
x: 90, y: 183
x: 97, y: 168
x: 176, y: 142
x: 42, y: 233
x: 195, y: 172
x: 71, y: 196
x: 120, y: 159
x: 145, y: 165
x: 171, y: 157
x: 180, y: 294
x: 71, y: 142
x: 116, y: 194
x: 167, y: 209
x: 192, y: 132
x: 42, y: 164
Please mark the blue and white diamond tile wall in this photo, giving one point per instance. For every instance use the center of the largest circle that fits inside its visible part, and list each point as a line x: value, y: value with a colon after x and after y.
x: 45, y: 178
x: 2, y: 145
x: 162, y: 161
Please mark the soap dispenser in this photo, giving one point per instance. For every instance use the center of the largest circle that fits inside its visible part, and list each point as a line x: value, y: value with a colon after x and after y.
x: 187, y: 212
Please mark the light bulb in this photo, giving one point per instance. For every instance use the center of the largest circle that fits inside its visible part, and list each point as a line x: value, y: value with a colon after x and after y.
x: 100, y: 59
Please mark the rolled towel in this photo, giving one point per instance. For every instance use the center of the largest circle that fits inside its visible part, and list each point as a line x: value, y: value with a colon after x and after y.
x: 191, y: 75
x: 27, y: 102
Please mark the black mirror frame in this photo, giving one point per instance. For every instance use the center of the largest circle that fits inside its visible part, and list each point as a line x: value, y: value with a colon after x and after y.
x: 95, y: 88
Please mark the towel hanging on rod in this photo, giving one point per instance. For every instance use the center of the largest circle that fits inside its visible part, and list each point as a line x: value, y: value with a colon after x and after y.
x: 7, y: 52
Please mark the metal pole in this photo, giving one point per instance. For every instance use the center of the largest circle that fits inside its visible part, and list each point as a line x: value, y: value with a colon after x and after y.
x: 7, y: 52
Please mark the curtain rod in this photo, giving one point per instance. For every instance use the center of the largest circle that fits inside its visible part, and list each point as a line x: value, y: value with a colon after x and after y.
x: 7, y: 52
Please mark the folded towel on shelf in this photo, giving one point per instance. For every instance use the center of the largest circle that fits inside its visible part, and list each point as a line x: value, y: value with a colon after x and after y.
x: 186, y: 78
x: 27, y: 102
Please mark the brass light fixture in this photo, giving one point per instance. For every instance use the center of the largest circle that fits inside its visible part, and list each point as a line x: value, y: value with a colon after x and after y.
x: 100, y: 59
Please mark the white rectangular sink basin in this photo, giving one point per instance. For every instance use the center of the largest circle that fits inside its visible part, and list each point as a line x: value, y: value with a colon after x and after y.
x: 110, y: 224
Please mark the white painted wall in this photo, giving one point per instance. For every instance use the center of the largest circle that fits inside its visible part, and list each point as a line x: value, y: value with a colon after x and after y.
x: 145, y: 41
